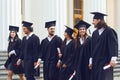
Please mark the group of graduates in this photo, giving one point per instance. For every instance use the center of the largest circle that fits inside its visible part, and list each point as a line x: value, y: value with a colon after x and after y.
x: 80, y: 58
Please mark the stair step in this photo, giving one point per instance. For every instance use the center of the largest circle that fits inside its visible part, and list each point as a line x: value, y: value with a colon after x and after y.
x: 3, y: 58
x: 117, y: 69
x: 3, y: 72
x: 118, y: 65
x: 2, y: 62
x: 3, y: 77
x: 16, y: 77
x: 117, y: 74
x: 3, y: 54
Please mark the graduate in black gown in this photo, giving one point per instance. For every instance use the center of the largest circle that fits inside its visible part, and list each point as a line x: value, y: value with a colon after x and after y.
x: 29, y: 50
x: 104, y: 49
x: 68, y: 49
x: 50, y: 52
x: 13, y: 54
x: 83, y: 51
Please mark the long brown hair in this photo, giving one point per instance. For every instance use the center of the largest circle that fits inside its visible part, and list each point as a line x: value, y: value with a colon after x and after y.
x: 78, y: 37
x: 65, y: 40
x: 16, y: 36
x: 101, y: 24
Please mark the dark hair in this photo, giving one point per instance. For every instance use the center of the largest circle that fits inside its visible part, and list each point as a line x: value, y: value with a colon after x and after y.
x: 63, y: 44
x: 101, y: 24
x: 16, y: 36
x: 77, y: 39
x: 30, y: 29
x: 65, y: 40
x: 70, y: 36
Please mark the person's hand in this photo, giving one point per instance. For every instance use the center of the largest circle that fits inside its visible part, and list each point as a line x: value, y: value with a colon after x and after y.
x: 90, y: 66
x: 36, y: 64
x: 64, y: 66
x: 19, y: 61
x: 10, y: 53
x: 39, y: 61
x: 58, y: 64
x: 113, y: 63
x: 60, y: 55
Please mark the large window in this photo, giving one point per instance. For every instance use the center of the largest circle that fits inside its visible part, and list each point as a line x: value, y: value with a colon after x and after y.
x: 78, y: 11
x: 78, y: 14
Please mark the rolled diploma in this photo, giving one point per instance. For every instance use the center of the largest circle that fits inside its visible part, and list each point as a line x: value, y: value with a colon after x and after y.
x: 58, y: 49
x: 107, y: 66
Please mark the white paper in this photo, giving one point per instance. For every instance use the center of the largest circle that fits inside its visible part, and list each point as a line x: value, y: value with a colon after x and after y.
x: 72, y: 75
x: 106, y: 67
x: 58, y: 49
x: 36, y: 66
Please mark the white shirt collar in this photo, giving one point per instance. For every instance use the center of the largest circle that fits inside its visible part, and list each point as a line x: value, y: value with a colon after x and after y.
x: 81, y: 41
x: 50, y: 38
x: 100, y: 31
x: 28, y: 36
x: 68, y: 41
x: 11, y: 40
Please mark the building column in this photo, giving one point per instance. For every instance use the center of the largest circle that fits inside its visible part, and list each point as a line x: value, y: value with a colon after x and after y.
x: 118, y: 20
x: 61, y: 17
x: 41, y: 11
x: 113, y: 19
x: 91, y: 6
x: 69, y: 13
x: 111, y: 12
x: 10, y: 14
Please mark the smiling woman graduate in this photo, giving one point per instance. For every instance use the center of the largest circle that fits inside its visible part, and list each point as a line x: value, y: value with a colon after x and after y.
x: 14, y: 47
x: 104, y: 49
x: 68, y: 55
x: 83, y: 51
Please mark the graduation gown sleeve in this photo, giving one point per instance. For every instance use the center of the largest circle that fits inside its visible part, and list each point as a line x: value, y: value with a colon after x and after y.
x: 71, y: 50
x: 59, y: 45
x: 17, y: 51
x: 112, y: 43
x: 21, y: 52
x: 36, y: 46
x: 59, y: 42
x: 41, y: 49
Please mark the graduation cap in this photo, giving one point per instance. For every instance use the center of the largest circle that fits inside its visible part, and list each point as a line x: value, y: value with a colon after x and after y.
x: 50, y: 23
x: 82, y: 24
x: 27, y: 24
x: 13, y: 28
x: 98, y: 15
x: 69, y: 30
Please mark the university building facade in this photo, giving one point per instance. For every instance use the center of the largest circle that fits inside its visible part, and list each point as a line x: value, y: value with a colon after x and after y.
x: 65, y: 12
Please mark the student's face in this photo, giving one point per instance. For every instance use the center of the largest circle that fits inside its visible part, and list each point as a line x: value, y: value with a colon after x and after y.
x: 82, y: 31
x: 66, y: 35
x: 95, y: 22
x: 12, y: 34
x: 51, y: 31
x: 25, y: 30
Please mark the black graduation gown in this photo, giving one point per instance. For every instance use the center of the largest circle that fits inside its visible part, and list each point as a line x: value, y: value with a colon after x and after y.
x: 104, y: 46
x: 68, y: 59
x: 29, y: 54
x: 10, y: 64
x: 82, y: 55
x: 49, y: 55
